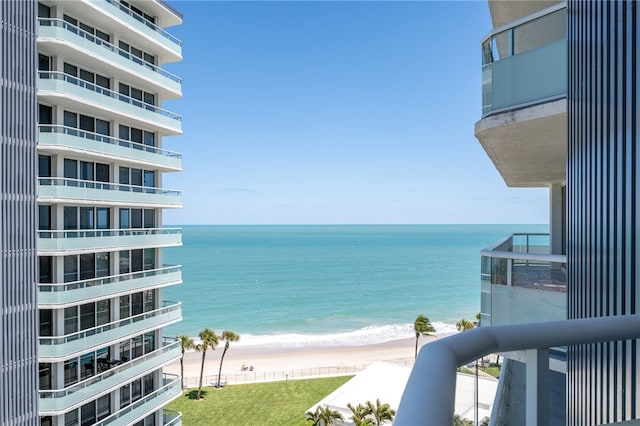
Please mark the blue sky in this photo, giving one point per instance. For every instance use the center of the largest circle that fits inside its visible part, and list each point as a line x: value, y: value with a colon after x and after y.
x: 338, y: 113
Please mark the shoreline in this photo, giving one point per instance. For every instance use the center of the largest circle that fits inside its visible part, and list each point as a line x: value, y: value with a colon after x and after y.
x: 280, y: 363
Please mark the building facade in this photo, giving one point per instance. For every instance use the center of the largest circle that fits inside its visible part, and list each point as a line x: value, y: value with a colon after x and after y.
x: 101, y: 129
x: 18, y: 179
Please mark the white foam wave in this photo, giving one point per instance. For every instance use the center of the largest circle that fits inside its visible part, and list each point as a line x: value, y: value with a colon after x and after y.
x: 363, y: 336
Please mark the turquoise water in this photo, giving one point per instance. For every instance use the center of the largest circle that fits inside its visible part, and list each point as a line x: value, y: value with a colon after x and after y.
x: 328, y: 284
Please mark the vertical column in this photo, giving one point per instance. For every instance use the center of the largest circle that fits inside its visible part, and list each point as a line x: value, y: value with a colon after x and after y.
x: 556, y: 227
x: 537, y: 392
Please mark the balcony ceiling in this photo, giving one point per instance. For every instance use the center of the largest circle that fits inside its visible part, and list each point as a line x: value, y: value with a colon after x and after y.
x: 527, y: 146
x: 505, y: 11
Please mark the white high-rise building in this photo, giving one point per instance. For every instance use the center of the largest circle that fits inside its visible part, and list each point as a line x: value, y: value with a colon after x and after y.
x: 101, y: 128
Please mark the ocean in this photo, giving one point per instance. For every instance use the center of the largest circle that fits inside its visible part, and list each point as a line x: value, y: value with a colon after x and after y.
x: 297, y: 285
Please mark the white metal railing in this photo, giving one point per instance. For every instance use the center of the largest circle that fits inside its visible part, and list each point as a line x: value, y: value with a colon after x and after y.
x: 148, y: 23
x: 60, y: 340
x: 56, y: 128
x: 60, y: 393
x: 429, y: 396
x: 93, y: 233
x: 72, y: 79
x: 94, y: 184
x: 96, y: 282
x: 56, y: 22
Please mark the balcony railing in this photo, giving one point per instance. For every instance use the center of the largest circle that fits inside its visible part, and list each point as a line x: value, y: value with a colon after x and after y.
x: 522, y: 282
x: 70, y: 292
x: 56, y: 401
x: 525, y: 62
x: 59, y: 23
x: 106, y: 186
x: 148, y: 23
x: 83, y: 334
x: 71, y: 79
x: 429, y: 396
x: 170, y: 389
x: 110, y: 140
x: 171, y: 418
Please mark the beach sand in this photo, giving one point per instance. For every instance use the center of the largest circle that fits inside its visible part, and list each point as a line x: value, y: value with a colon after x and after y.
x: 272, y: 363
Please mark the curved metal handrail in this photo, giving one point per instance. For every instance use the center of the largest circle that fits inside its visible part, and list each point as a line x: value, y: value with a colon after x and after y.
x: 429, y: 396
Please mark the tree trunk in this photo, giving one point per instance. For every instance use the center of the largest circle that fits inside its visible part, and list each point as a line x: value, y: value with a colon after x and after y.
x: 416, y: 355
x: 182, y: 369
x: 222, y: 359
x: 201, y: 373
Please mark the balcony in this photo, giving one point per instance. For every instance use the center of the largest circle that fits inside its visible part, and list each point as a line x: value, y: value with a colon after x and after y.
x: 172, y: 418
x: 56, y: 138
x: 170, y: 390
x: 57, y: 35
x: 522, y: 282
x: 524, y: 88
x: 147, y: 34
x: 59, y: 243
x: 55, y: 349
x: 52, y: 296
x: 68, y: 90
x: 77, y: 191
x: 56, y: 402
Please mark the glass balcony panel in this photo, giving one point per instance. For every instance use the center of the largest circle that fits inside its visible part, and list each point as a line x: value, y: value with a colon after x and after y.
x: 521, y: 282
x: 65, y: 242
x: 57, y: 401
x: 525, y: 64
x: 76, y: 291
x: 170, y: 390
x: 61, y: 30
x: 51, y: 348
x: 58, y: 82
x: 63, y: 189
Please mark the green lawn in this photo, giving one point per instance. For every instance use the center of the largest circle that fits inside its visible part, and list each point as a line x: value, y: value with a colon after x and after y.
x: 273, y: 403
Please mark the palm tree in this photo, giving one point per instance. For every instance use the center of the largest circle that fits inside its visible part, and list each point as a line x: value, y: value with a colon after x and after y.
x: 422, y: 326
x: 208, y: 339
x: 187, y: 343
x: 323, y: 416
x: 464, y: 325
x: 227, y: 336
x: 360, y: 415
x: 380, y: 412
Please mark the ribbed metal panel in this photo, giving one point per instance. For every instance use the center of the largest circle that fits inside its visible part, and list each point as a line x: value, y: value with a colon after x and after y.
x: 602, y: 188
x: 18, y: 257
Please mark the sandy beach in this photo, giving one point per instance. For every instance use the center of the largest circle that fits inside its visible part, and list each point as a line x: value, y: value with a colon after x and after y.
x: 289, y: 363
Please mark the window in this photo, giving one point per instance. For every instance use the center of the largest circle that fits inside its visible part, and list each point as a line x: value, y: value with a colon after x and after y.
x: 70, y: 374
x: 44, y: 166
x: 138, y: 53
x: 149, y: 218
x: 70, y: 217
x: 102, y: 172
x: 45, y: 269
x: 46, y: 322
x: 44, y: 217
x: 70, y: 268
x: 124, y: 219
x: 86, y: 218
x: 71, y: 418
x: 103, y: 407
x: 148, y: 384
x: 124, y: 308
x: 88, y: 414
x: 86, y: 75
x: 136, y: 390
x: 102, y: 265
x: 87, y: 123
x: 45, y: 114
x: 102, y: 218
x: 44, y: 373
x: 125, y: 395
x: 46, y: 421
x: 149, y: 344
x: 70, y: 169
x: 125, y: 351
x: 136, y: 218
x: 44, y: 11
x: 124, y: 262
x: 137, y: 348
x: 86, y: 168
x: 87, y: 366
x: 137, y: 94
x: 103, y: 312
x: 87, y: 266
x: 149, y: 259
x: 136, y: 260
x: 149, y: 179
x: 136, y: 304
x: 149, y: 300
x: 87, y: 316
x: 44, y: 63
